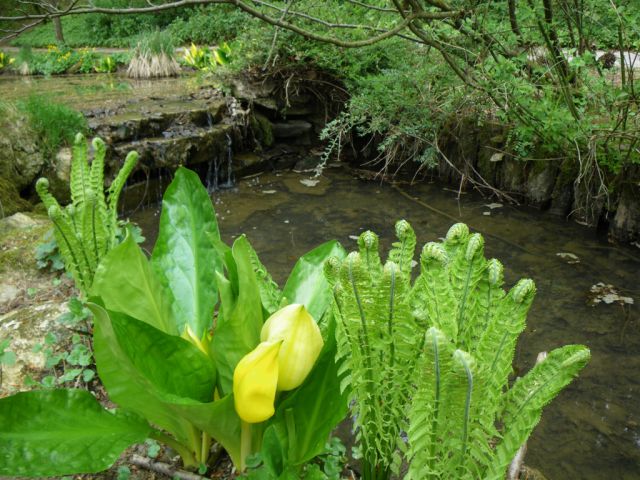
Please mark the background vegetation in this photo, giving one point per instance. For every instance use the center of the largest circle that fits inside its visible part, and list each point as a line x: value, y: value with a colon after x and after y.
x: 534, y: 67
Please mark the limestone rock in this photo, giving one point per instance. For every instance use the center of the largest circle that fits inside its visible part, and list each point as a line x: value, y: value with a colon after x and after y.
x: 19, y: 220
x: 20, y: 159
x: 27, y: 327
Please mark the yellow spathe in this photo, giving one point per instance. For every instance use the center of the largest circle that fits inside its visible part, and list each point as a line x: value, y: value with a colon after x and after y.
x: 255, y: 381
x: 290, y: 345
x: 301, y: 343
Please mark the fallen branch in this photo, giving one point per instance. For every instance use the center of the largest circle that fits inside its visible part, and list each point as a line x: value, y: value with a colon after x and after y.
x: 163, y: 468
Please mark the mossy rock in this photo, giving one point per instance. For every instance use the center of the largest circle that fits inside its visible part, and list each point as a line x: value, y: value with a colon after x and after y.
x: 262, y: 129
x: 21, y: 160
x: 10, y: 200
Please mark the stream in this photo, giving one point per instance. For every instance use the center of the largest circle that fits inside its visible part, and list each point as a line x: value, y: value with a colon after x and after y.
x: 591, y: 430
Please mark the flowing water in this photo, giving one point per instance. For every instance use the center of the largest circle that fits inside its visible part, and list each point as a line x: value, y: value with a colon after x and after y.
x: 87, y: 91
x: 591, y: 431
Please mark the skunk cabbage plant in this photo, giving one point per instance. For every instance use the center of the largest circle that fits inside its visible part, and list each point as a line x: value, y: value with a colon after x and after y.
x: 169, y: 332
x: 433, y: 358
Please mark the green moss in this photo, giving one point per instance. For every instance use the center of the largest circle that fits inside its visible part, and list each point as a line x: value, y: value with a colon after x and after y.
x: 262, y: 129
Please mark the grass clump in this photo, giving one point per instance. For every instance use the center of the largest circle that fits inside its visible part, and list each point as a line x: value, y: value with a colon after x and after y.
x: 54, y: 124
x: 153, y: 57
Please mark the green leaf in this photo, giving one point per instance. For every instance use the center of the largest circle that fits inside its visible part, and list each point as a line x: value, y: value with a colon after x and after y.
x: 240, y: 319
x: 126, y: 283
x: 184, y: 256
x: 153, y: 390
x: 61, y: 432
x: 127, y: 385
x: 171, y: 364
x: 307, y: 284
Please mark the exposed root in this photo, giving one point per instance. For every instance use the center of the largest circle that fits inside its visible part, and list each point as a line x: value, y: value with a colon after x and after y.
x: 163, y: 468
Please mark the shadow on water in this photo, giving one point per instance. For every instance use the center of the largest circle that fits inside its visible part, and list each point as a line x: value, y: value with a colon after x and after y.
x: 591, y: 431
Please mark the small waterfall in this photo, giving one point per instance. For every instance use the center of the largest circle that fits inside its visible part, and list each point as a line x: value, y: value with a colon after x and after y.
x: 160, y: 184
x: 212, y: 174
x: 211, y: 180
x: 229, y: 182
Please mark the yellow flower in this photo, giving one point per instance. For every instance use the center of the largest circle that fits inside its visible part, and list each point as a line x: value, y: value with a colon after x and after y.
x: 301, y: 343
x: 255, y: 381
x: 290, y: 345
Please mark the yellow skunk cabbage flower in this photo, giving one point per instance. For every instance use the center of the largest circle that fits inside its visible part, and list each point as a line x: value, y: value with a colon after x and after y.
x: 301, y: 343
x: 255, y: 380
x: 290, y: 345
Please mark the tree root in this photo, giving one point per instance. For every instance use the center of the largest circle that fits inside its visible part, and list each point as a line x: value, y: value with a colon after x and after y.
x: 163, y: 468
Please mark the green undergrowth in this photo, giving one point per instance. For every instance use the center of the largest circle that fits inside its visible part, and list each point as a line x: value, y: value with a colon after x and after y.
x: 54, y: 124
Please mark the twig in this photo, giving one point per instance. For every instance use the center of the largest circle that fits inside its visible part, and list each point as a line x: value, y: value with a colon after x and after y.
x: 163, y: 468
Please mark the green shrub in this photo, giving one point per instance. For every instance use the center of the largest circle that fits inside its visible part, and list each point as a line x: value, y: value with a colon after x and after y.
x: 210, y: 24
x: 54, y: 124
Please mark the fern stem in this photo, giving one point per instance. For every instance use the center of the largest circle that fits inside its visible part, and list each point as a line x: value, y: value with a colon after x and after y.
x: 363, y: 319
x: 93, y: 233
x: 463, y: 303
x: 436, y: 403
x: 391, y: 314
x: 76, y: 264
x: 467, y: 408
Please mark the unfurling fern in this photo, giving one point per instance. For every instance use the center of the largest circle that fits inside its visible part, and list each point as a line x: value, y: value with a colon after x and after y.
x: 86, y: 229
x: 433, y: 359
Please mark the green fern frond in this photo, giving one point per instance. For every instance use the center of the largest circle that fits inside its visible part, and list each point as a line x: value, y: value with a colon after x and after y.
x: 466, y: 270
x: 70, y: 247
x: 80, y: 183
x: 42, y: 189
x: 86, y: 229
x: 432, y: 298
x: 448, y: 389
x: 116, y: 187
x: 404, y: 249
x: 368, y: 245
x: 528, y: 396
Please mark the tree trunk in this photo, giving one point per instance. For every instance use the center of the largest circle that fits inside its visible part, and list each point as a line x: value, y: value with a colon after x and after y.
x: 57, y: 24
x: 513, y: 19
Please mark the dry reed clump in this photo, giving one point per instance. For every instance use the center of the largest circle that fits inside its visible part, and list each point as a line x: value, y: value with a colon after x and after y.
x: 153, y: 57
x: 150, y: 65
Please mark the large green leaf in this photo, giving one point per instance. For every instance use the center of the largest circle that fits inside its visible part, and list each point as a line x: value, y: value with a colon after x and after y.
x: 240, y: 320
x: 126, y: 283
x: 62, y: 432
x: 184, y: 256
x: 312, y: 411
x: 155, y: 387
x: 126, y: 384
x: 172, y: 364
x: 307, y: 284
